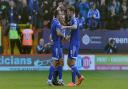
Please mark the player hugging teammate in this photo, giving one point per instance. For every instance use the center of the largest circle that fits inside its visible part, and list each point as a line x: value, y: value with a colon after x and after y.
x: 57, y: 34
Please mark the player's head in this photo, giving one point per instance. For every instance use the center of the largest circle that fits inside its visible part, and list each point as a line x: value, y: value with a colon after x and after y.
x: 56, y: 13
x: 70, y: 11
x: 59, y: 15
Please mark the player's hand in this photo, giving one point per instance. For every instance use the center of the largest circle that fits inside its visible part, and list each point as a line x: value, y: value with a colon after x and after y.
x: 63, y: 27
x: 67, y: 37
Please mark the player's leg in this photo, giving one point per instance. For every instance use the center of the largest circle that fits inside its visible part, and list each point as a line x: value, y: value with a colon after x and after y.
x: 54, y: 78
x: 60, y: 67
x: 80, y: 77
x: 51, y: 71
x: 71, y: 62
x: 54, y: 64
x: 55, y: 75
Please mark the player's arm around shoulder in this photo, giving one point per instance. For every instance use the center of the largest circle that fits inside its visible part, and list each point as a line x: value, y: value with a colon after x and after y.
x: 72, y: 27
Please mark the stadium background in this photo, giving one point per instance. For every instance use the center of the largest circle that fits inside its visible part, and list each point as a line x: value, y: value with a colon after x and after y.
x: 25, y: 71
x: 92, y: 41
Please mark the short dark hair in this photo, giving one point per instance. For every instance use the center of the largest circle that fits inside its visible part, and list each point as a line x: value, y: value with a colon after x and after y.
x: 55, y: 13
x: 71, y: 8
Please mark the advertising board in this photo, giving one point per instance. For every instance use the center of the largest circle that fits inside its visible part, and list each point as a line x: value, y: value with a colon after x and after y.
x: 25, y: 62
x: 111, y: 62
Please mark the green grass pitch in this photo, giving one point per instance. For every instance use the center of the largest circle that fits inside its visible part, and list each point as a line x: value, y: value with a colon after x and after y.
x: 38, y: 80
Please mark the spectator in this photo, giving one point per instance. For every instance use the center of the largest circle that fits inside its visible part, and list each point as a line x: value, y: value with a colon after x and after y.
x: 93, y: 17
x: 40, y: 14
x: 71, y: 2
x: 1, y: 38
x: 19, y: 8
x: 34, y: 11
x: 54, y: 5
x: 4, y: 5
x: 35, y: 20
x: 25, y: 15
x: 27, y: 40
x: 84, y: 8
x: 40, y: 46
x: 114, y: 8
x: 111, y: 48
x: 24, y: 2
x: 12, y: 13
x: 14, y: 37
x: 124, y: 14
x: 81, y: 22
x: 43, y: 48
x: 104, y: 14
x: 76, y: 5
x: 46, y: 9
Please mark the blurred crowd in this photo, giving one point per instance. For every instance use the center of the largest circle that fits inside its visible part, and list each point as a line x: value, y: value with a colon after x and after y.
x: 105, y: 14
x: 92, y: 14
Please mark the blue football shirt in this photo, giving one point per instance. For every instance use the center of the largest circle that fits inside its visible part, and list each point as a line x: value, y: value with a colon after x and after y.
x: 75, y: 34
x: 55, y: 25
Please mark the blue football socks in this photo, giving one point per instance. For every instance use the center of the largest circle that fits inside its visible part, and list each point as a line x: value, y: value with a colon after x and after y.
x: 51, y: 71
x: 78, y: 73
x: 73, y: 68
x: 60, y: 68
